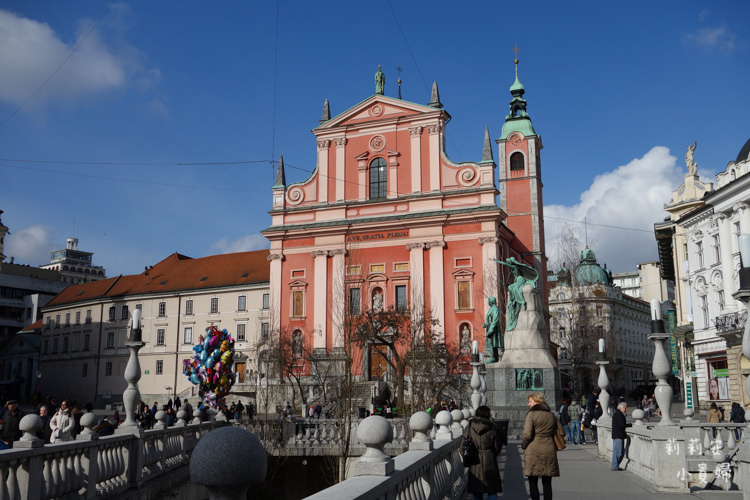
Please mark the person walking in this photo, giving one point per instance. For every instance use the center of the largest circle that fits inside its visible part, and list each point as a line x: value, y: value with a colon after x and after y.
x: 737, y: 416
x: 619, y: 423
x: 598, y: 412
x: 574, y: 412
x: 484, y: 477
x: 540, y: 452
x: 62, y: 424
x: 565, y: 421
x: 11, y: 423
x: 714, y: 417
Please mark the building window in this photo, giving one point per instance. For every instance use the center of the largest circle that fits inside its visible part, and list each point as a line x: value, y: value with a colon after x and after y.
x: 189, y: 307
x: 67, y: 319
x: 402, y: 303
x: 704, y: 310
x: 187, y: 335
x: 84, y: 370
x: 46, y: 346
x: 378, y: 179
x: 717, y: 249
x: 241, y: 332
x: 49, y: 322
x: 125, y: 312
x: 160, y: 334
x: 159, y: 366
x: 112, y: 313
x: 297, y: 344
x: 78, y: 317
x: 464, y: 294
x: 108, y: 369
x: 298, y: 304
x: 55, y: 345
x: 110, y: 340
x: 264, y: 331
x: 516, y: 161
x: 721, y: 299
x: 88, y: 316
x: 162, y: 309
x: 66, y: 342
x: 266, y: 300
x: 684, y: 252
x: 355, y: 301
x: 214, y: 305
x: 242, y: 303
x: 86, y: 342
x: 57, y: 321
x: 599, y: 310
x: 699, y: 252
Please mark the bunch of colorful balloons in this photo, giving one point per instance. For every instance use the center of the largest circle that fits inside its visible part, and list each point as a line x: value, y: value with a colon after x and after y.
x: 211, y: 366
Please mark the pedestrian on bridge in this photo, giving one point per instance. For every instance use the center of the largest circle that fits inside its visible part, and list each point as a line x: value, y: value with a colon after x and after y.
x: 540, y: 453
x: 484, y: 477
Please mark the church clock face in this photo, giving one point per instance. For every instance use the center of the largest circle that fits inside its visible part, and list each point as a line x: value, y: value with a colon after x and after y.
x: 515, y: 140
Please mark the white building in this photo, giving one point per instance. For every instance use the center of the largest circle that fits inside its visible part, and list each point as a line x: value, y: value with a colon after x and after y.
x: 83, y: 356
x: 645, y: 283
x: 75, y: 266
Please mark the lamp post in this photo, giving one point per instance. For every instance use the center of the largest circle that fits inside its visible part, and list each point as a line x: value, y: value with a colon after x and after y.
x: 132, y: 395
x: 661, y: 366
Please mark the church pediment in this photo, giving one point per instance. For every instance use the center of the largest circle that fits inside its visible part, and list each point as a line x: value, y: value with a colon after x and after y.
x: 376, y: 108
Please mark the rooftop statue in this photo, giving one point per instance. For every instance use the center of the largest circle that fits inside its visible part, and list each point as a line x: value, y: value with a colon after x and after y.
x: 691, y: 165
x: 379, y: 82
x: 523, y: 275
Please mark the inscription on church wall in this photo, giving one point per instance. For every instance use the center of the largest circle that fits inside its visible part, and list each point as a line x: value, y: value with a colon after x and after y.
x: 381, y: 235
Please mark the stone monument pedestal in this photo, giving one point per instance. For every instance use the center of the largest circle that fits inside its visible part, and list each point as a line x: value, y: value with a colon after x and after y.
x: 526, y: 366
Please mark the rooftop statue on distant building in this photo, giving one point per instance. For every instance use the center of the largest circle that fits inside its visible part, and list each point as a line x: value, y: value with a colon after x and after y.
x: 691, y: 165
x: 379, y: 82
x: 523, y: 275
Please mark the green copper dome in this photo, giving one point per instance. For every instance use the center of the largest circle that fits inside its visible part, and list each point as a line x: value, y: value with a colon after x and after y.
x: 588, y: 271
x: 518, y: 119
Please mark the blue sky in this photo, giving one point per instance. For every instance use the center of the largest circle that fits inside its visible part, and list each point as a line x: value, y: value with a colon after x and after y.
x: 149, y: 128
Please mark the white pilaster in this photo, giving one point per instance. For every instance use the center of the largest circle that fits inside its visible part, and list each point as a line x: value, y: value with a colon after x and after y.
x: 275, y: 290
x: 339, y: 299
x: 323, y: 170
x: 434, y: 131
x: 416, y: 159
x: 416, y: 266
x: 320, y: 259
x: 340, y: 167
x: 489, y: 268
x: 727, y: 261
x: 437, y: 282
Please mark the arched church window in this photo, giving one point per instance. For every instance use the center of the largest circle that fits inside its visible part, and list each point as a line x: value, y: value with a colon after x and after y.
x: 517, y: 161
x: 378, y: 179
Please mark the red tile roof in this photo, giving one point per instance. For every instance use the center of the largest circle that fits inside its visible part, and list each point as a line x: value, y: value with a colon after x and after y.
x: 175, y: 273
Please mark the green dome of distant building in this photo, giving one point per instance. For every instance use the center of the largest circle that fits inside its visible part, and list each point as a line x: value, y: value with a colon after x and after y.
x: 589, y: 272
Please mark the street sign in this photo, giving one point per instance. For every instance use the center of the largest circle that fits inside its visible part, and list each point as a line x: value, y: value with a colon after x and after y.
x: 689, y: 394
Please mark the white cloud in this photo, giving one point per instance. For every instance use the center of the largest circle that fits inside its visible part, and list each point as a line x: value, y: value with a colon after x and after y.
x: 631, y: 196
x: 244, y: 244
x: 31, y: 53
x: 30, y: 246
x: 717, y: 37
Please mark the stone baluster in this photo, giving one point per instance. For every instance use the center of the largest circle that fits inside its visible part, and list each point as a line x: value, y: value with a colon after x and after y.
x: 476, y: 378
x: 374, y: 432
x: 182, y: 417
x: 161, y: 420
x: 88, y: 422
x: 29, y: 425
x: 444, y: 421
x: 421, y: 423
x: 228, y: 445
x: 456, y: 428
x: 638, y: 416
x: 661, y: 367
x: 467, y: 415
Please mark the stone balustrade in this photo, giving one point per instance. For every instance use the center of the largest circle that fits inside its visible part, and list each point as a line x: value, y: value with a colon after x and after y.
x: 425, y: 471
x: 678, y: 457
x: 94, y: 466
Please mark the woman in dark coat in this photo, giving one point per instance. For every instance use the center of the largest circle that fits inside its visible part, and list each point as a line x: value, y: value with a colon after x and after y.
x: 484, y: 477
x: 540, y: 456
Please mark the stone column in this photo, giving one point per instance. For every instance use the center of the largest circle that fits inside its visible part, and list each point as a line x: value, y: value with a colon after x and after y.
x: 416, y: 267
x: 320, y: 263
x: 661, y: 367
x: 489, y: 268
x: 276, y: 259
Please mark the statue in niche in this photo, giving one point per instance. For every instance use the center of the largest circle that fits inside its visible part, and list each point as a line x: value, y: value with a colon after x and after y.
x: 465, y: 339
x: 377, y: 301
x: 523, y: 275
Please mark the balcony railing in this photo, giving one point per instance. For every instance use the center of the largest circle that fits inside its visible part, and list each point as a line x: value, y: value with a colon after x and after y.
x: 730, y: 322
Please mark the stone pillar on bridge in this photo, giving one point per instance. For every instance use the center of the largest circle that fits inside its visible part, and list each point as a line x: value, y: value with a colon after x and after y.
x: 374, y: 432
